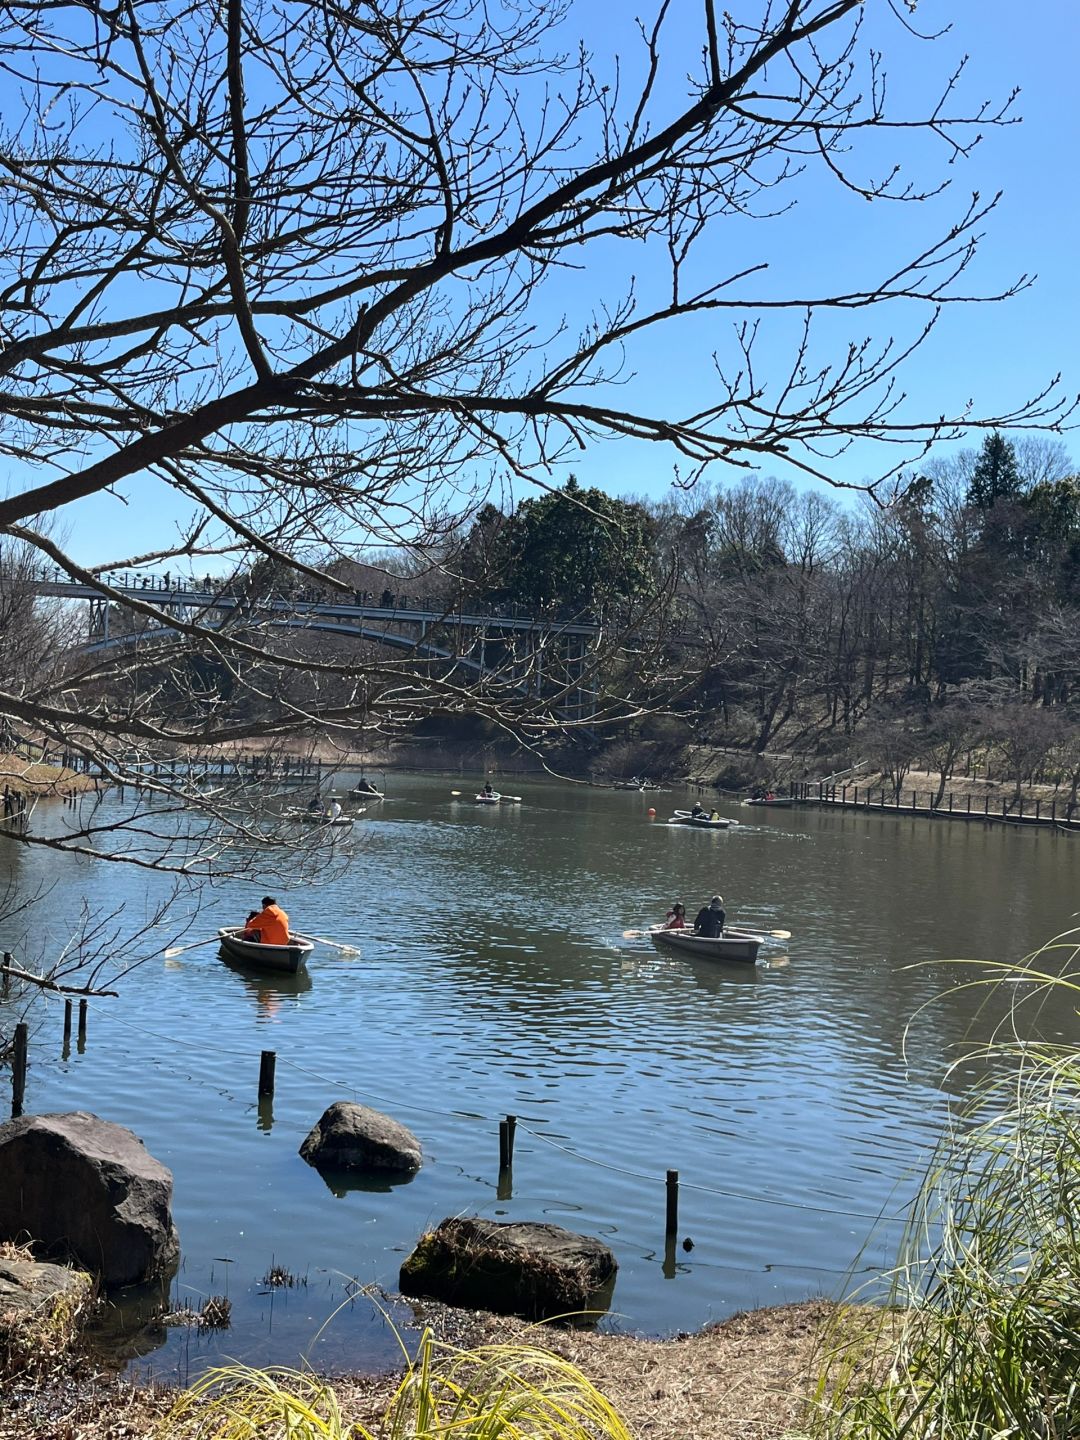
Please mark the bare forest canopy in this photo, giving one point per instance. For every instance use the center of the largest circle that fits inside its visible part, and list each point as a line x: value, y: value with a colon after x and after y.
x: 294, y: 274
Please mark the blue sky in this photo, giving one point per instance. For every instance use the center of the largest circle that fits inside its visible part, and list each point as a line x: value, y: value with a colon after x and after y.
x: 994, y: 354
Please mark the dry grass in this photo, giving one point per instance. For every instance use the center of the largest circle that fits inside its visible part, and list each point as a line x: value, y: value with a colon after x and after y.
x: 744, y: 1379
x: 30, y: 777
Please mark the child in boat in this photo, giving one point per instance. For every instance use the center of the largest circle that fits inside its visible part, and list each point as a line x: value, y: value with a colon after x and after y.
x: 714, y: 814
x: 676, y: 917
x: 269, y: 926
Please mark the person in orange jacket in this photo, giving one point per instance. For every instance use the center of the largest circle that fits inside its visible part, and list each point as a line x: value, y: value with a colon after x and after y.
x: 269, y: 926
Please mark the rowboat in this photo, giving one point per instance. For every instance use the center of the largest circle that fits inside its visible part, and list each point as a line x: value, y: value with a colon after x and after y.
x: 358, y: 793
x: 739, y: 945
x: 781, y: 801
x: 488, y: 799
x: 701, y: 822
x: 254, y: 953
x: 317, y: 817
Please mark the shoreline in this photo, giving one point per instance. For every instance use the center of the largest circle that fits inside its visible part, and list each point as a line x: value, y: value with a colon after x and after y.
x: 747, y: 1377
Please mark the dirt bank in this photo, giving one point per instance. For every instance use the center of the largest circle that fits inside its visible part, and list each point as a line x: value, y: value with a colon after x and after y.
x: 740, y: 1380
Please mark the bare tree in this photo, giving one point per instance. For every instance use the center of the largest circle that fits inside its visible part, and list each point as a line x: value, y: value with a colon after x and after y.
x: 291, y: 264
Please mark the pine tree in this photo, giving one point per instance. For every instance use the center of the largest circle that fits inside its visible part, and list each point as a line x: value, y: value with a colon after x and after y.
x: 996, y: 475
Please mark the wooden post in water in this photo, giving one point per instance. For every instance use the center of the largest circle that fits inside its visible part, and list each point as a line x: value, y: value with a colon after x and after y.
x: 504, y: 1145
x: 511, y: 1133
x: 5, y: 979
x: 267, y: 1063
x: 67, y: 1029
x: 82, y: 1026
x: 18, y: 1069
x: 671, y: 1219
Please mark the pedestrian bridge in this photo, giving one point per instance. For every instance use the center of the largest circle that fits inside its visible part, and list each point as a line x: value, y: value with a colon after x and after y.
x: 531, y: 653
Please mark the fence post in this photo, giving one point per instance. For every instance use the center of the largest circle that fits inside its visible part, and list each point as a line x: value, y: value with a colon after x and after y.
x: 82, y: 1026
x: 5, y: 979
x: 267, y: 1062
x: 1038, y: 807
x: 671, y: 1219
x: 18, y: 1069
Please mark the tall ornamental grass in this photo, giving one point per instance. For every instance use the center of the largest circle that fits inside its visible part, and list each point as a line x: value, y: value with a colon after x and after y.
x: 985, y: 1339
x: 493, y: 1392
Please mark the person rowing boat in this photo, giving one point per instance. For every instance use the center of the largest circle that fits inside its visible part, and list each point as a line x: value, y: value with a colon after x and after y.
x: 268, y: 926
x: 710, y: 919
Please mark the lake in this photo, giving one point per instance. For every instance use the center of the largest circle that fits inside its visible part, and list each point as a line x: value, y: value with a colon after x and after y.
x: 799, y: 1100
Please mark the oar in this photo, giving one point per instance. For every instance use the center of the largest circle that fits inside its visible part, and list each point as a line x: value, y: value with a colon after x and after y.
x: 513, y: 799
x: 773, y: 934
x: 179, y: 949
x: 318, y: 940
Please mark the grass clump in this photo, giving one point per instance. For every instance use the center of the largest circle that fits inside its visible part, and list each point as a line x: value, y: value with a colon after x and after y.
x: 492, y: 1392
x: 987, y: 1340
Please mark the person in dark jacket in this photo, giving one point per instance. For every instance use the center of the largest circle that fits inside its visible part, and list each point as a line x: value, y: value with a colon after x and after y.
x: 710, y: 918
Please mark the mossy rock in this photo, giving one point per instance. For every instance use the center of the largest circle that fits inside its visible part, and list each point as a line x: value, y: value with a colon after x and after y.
x: 42, y: 1308
x: 519, y: 1268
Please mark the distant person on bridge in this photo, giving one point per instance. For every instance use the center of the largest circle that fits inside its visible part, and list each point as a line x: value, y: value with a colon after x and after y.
x: 268, y: 926
x: 710, y: 918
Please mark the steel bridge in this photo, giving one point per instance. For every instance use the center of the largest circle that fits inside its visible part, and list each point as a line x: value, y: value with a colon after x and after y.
x: 525, y: 651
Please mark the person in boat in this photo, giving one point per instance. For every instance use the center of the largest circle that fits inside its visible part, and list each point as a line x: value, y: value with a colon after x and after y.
x: 268, y: 926
x: 487, y: 790
x: 315, y: 806
x: 714, y: 814
x: 676, y: 917
x: 710, y: 919
x: 334, y: 810
x: 365, y: 787
x: 697, y: 810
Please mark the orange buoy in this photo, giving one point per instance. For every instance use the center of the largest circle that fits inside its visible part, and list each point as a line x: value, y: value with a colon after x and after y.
x: 652, y: 813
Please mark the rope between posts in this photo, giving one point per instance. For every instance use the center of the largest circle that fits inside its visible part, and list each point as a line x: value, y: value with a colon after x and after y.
x: 711, y: 1189
x: 339, y: 1084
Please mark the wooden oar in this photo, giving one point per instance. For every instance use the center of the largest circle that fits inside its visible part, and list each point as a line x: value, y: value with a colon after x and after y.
x: 513, y: 799
x: 318, y: 940
x: 179, y: 949
x: 773, y: 934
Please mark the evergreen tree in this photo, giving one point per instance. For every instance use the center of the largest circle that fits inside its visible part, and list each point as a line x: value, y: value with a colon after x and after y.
x: 996, y: 475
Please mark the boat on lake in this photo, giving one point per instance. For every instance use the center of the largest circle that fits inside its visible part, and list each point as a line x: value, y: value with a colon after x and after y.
x: 362, y: 791
x: 319, y: 817
x: 737, y: 945
x: 701, y: 822
x: 782, y: 801
x: 492, y: 799
x: 253, y: 953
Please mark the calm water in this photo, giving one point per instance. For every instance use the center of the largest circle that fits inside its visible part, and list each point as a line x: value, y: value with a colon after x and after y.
x: 798, y: 1102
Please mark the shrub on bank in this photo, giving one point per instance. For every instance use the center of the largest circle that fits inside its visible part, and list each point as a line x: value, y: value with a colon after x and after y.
x: 988, y: 1343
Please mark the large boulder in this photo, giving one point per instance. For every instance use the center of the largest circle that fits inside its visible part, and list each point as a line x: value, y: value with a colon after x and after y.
x: 352, y: 1137
x: 41, y: 1310
x: 515, y: 1268
x: 88, y: 1190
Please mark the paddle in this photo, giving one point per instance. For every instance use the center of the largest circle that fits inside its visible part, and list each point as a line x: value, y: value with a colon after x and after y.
x: 773, y: 934
x: 333, y: 944
x: 179, y: 949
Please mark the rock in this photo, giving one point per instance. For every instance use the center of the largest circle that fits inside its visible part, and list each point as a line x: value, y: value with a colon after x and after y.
x: 89, y: 1190
x: 517, y: 1268
x: 352, y: 1137
x: 41, y: 1310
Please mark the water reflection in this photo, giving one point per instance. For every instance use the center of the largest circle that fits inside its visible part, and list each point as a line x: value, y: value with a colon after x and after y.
x: 342, y: 1183
x: 270, y: 990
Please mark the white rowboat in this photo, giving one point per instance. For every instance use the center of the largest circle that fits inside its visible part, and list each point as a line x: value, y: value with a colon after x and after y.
x: 488, y: 799
x: 702, y: 822
x: 738, y: 945
x: 287, y: 958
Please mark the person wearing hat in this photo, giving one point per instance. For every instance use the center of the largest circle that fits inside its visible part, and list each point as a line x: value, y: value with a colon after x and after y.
x: 710, y: 918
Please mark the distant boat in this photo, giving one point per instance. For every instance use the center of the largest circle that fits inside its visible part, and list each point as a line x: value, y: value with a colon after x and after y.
x: 319, y: 817
x: 782, y: 801
x: 288, y: 958
x: 363, y: 792
x: 492, y: 799
x: 701, y: 822
x: 738, y: 945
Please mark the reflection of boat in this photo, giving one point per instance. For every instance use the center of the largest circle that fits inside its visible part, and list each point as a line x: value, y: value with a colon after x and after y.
x: 258, y: 956
x: 781, y: 801
x: 268, y: 988
x: 732, y: 945
x: 702, y: 822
